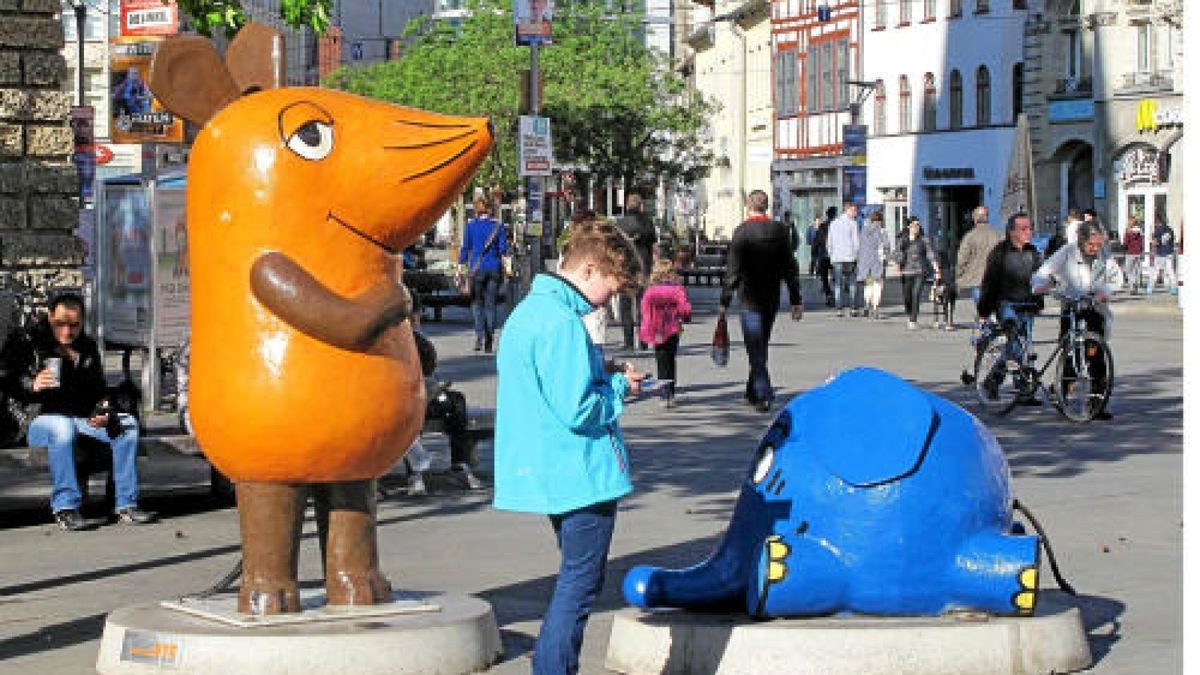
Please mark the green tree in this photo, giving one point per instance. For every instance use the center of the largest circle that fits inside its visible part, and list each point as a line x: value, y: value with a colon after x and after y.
x: 616, y: 107
x: 228, y: 15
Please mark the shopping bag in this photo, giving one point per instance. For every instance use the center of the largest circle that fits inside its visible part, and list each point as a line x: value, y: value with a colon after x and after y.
x: 720, y: 342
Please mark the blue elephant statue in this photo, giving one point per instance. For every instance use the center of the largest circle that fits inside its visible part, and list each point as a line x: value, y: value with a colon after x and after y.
x: 867, y: 495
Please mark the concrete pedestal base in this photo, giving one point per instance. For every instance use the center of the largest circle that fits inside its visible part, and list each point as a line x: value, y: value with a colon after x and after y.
x: 678, y: 642
x: 460, y: 637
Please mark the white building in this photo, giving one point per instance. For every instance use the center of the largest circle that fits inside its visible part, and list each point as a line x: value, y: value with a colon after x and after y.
x: 948, y: 80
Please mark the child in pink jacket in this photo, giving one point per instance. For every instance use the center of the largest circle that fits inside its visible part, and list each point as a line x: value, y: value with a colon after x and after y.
x: 665, y: 307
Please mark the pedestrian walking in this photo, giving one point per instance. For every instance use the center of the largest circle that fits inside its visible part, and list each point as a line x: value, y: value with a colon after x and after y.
x: 1134, y: 243
x: 758, y: 260
x: 641, y: 232
x: 821, y: 254
x: 1162, y: 258
x: 972, y: 254
x: 664, y: 308
x: 843, y: 256
x: 916, y: 260
x: 484, y: 242
x: 874, y: 249
x: 559, y: 450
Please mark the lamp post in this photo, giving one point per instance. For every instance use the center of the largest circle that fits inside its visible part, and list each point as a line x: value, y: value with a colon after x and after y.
x: 80, y: 19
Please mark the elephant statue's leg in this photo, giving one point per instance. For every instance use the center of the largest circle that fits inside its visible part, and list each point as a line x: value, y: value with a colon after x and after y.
x: 271, y: 515
x: 352, y: 575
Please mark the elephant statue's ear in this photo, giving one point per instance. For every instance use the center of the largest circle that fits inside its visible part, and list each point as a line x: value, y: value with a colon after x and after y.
x: 189, y: 78
x: 903, y: 422
x: 256, y: 58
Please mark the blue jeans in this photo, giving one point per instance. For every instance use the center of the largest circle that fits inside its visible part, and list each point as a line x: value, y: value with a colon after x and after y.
x: 843, y: 284
x: 583, y: 537
x: 756, y: 332
x: 1024, y: 321
x: 57, y: 434
x: 483, y: 302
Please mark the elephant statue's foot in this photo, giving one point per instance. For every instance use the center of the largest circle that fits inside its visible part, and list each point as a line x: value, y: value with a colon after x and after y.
x: 346, y: 514
x: 270, y: 515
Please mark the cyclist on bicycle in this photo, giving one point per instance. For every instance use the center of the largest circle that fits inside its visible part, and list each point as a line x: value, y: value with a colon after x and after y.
x: 1007, y: 290
x: 1084, y: 269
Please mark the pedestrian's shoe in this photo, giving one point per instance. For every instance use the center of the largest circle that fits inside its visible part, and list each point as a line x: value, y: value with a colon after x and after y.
x: 763, y: 406
x: 462, y: 471
x: 132, y: 515
x: 854, y: 313
x: 841, y: 313
x: 478, y: 344
x: 912, y: 325
x: 71, y: 520
x: 1103, y: 416
x: 991, y: 390
x: 669, y: 401
x: 416, y: 485
x: 487, y: 345
x: 1029, y: 401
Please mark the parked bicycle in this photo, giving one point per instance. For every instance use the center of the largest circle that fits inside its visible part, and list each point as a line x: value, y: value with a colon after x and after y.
x: 1006, y: 370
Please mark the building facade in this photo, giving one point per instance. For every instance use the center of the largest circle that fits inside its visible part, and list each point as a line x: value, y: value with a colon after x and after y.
x: 817, y: 66
x: 949, y: 85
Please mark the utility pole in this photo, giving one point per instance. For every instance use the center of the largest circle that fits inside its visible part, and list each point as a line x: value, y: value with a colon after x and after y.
x: 534, y: 184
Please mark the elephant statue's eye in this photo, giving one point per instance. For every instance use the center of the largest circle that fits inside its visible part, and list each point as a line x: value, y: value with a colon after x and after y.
x: 312, y: 141
x: 766, y: 457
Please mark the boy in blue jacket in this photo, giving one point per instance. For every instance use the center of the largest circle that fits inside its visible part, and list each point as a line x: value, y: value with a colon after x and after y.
x: 559, y: 449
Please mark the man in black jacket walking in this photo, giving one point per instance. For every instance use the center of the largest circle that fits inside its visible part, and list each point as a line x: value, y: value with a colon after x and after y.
x: 641, y: 231
x: 64, y: 373
x: 759, y: 258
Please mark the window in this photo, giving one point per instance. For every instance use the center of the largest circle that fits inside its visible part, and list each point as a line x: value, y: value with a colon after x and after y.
x: 983, y: 97
x: 1144, y: 43
x: 1018, y: 90
x: 955, y: 8
x: 981, y: 6
x: 1071, y: 45
x: 787, y: 98
x: 880, y: 109
x: 929, y: 104
x: 905, y: 105
x: 956, y: 100
x: 827, y: 76
x: 1020, y: 4
x: 812, y: 66
x: 843, y: 74
x: 905, y: 12
x: 95, y: 26
x: 880, y: 13
x: 930, y: 10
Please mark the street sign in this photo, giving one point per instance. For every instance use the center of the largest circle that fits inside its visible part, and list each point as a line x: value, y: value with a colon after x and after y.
x: 535, y: 149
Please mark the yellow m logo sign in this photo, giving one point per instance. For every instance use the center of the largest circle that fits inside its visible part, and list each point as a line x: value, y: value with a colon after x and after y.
x: 1146, y: 111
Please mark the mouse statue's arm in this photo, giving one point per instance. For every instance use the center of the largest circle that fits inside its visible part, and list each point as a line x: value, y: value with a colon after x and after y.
x: 294, y: 295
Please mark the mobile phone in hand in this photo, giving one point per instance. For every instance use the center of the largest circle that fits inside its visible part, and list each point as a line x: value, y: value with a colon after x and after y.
x: 653, y: 384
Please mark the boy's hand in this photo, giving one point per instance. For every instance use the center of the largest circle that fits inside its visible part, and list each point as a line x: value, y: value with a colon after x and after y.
x: 635, y: 377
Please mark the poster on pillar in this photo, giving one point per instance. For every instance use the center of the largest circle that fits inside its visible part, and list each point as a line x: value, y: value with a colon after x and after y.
x: 854, y: 185
x: 532, y: 19
x: 535, y: 148
x: 138, y: 117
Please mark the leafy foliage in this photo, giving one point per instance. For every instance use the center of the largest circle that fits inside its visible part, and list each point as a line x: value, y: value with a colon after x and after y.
x: 228, y: 15
x: 617, y: 109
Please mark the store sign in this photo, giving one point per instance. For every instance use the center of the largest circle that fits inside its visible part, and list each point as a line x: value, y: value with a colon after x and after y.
x: 141, y: 18
x: 948, y: 173
x: 1151, y: 118
x: 1141, y: 165
x: 138, y: 117
x: 535, y: 149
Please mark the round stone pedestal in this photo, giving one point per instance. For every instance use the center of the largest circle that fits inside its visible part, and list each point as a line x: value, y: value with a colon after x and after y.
x: 1053, y: 641
x: 448, y: 634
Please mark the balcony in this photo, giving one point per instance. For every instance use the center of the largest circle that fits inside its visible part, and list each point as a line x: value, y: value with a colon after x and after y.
x: 1145, y: 82
x: 1072, y: 87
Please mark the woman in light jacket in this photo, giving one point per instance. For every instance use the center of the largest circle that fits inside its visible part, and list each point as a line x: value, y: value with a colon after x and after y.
x: 873, y: 251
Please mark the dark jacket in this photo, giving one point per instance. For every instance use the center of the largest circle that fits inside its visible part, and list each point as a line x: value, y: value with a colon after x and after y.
x: 819, y: 250
x: 1008, y: 277
x: 480, y: 250
x: 639, y: 229
x: 82, y: 382
x: 759, y: 258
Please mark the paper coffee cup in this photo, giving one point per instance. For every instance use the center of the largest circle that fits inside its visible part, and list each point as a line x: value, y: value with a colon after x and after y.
x: 54, y: 364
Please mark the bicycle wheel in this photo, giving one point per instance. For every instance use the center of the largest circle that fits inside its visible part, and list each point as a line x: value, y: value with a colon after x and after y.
x: 997, y: 376
x: 1084, y: 378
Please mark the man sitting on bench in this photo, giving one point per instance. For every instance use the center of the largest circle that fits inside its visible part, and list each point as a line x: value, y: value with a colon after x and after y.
x: 64, y: 373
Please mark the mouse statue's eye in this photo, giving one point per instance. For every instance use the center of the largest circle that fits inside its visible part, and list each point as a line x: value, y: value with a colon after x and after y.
x: 312, y: 140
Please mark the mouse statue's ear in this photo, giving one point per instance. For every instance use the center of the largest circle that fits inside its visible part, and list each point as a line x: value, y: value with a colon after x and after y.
x: 189, y: 78
x: 255, y: 58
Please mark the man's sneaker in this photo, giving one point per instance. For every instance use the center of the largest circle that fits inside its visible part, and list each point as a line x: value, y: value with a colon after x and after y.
x: 763, y: 406
x: 416, y: 485
x: 462, y: 471
x: 72, y: 520
x: 132, y: 515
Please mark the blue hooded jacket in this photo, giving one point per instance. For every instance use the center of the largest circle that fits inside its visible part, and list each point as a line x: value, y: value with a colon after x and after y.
x: 558, y: 445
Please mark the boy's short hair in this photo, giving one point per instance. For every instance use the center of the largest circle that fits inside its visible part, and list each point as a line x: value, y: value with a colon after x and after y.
x: 609, y: 247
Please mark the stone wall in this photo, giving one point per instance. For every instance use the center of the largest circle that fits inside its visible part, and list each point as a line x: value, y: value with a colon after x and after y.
x: 38, y: 182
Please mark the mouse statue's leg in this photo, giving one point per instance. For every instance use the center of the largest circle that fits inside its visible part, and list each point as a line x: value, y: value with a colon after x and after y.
x: 271, y: 515
x: 352, y: 575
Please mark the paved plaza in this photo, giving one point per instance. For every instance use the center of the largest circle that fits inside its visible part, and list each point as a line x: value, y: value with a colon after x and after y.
x: 1108, y: 493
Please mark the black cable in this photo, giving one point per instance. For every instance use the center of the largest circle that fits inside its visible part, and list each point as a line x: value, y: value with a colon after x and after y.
x: 1062, y: 583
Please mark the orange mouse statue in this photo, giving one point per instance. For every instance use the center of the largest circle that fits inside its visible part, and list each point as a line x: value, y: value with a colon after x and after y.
x: 304, y: 375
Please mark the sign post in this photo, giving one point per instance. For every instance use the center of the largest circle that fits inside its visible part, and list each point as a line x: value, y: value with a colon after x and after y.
x: 854, y: 172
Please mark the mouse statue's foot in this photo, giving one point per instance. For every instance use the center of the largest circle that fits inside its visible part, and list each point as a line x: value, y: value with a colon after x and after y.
x: 346, y: 513
x: 271, y: 515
